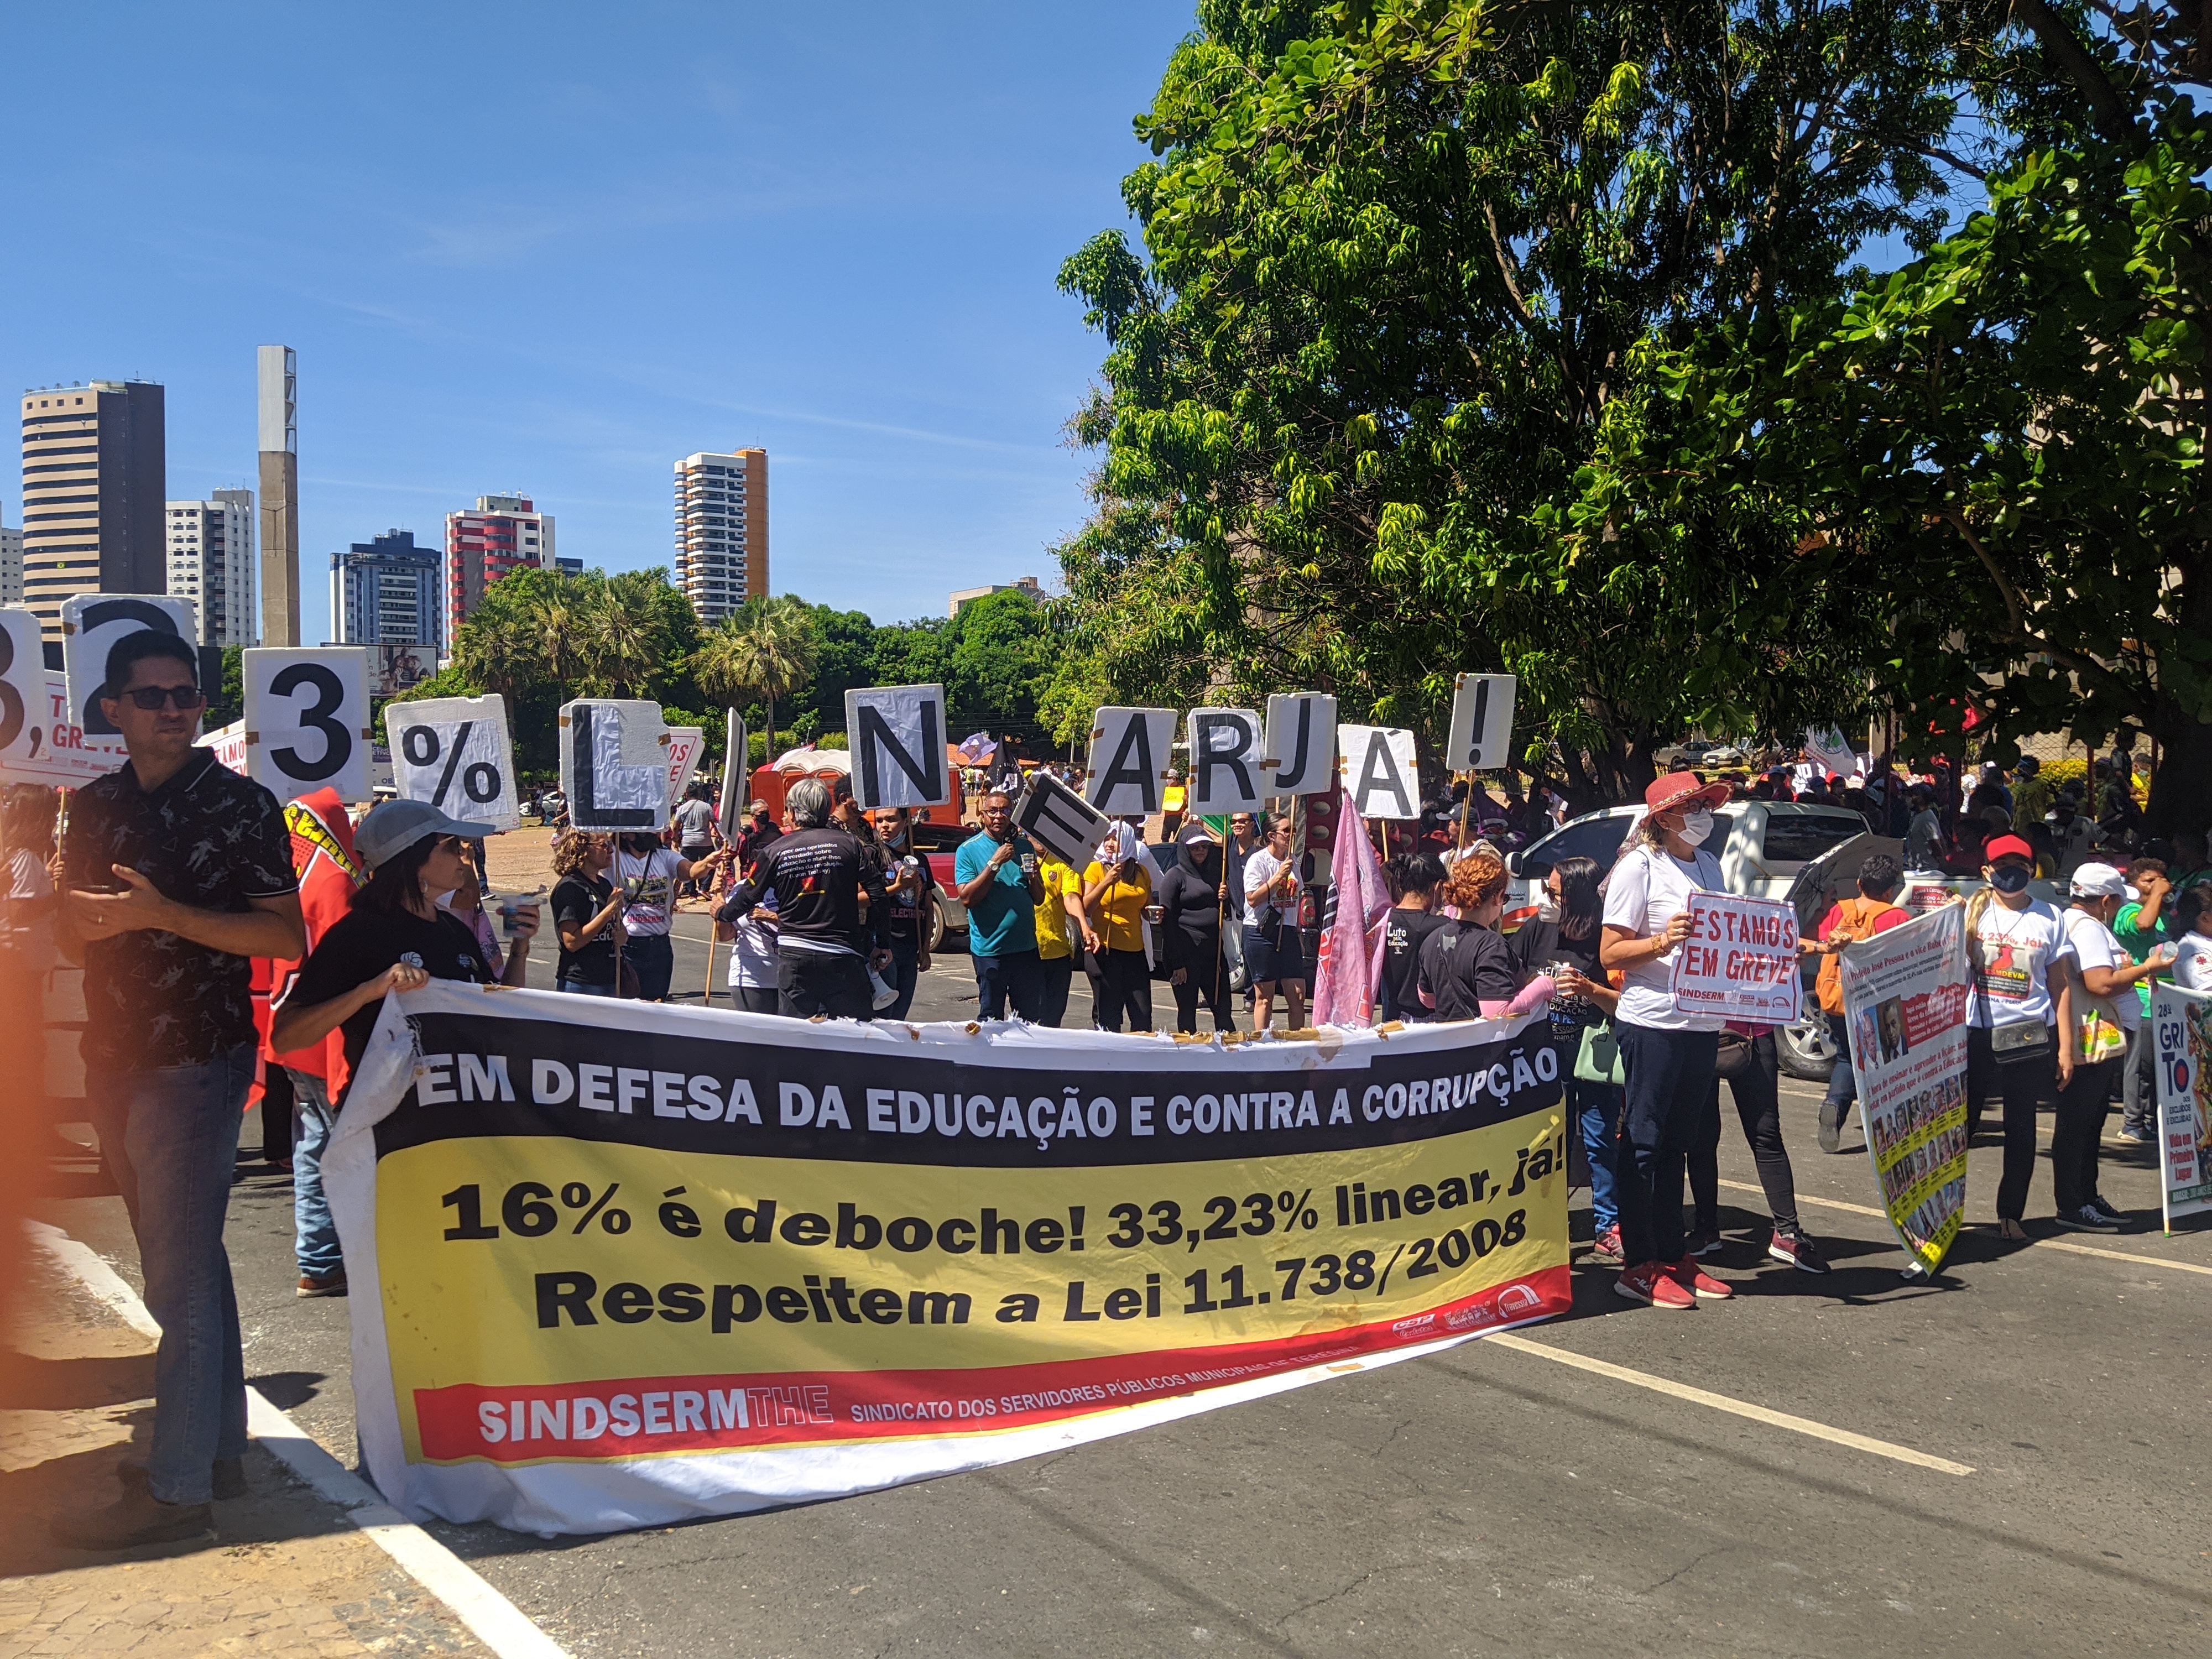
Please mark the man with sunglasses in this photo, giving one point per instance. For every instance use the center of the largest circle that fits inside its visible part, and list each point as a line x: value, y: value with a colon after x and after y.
x: 177, y: 872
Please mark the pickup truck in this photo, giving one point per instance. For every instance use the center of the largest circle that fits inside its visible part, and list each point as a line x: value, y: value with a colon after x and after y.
x: 1766, y: 849
x: 940, y: 843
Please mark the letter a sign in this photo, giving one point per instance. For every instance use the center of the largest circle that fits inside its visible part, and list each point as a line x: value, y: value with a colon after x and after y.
x: 1129, y: 751
x: 1380, y: 774
x: 897, y: 734
x: 1481, y: 722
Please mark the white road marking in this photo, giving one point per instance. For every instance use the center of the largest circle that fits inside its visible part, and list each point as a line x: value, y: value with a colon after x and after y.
x: 2039, y: 1244
x: 497, y: 1622
x: 1721, y: 1402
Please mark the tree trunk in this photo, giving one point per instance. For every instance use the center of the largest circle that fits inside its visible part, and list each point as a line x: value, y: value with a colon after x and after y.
x: 2181, y: 789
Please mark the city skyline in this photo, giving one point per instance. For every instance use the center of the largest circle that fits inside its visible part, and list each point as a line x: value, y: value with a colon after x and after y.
x: 605, y: 259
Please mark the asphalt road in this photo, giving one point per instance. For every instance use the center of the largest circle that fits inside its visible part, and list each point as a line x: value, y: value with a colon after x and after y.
x: 1491, y: 1499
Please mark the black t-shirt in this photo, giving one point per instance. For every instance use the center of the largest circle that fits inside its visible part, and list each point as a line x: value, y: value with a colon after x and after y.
x: 365, y: 943
x: 207, y: 838
x: 1537, y: 947
x: 576, y: 900
x: 1403, y: 935
x: 1464, y: 966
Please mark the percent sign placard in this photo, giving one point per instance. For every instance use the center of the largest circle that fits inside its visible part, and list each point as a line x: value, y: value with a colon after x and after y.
x: 455, y: 753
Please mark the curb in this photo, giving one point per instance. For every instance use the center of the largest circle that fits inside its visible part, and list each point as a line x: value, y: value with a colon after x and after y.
x: 495, y: 1620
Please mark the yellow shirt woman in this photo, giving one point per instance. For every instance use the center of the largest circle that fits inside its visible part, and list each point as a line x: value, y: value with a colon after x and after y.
x: 1052, y: 918
x: 1118, y: 911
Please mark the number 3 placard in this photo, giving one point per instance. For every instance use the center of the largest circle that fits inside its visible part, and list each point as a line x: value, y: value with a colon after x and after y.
x: 307, y: 720
x: 455, y: 753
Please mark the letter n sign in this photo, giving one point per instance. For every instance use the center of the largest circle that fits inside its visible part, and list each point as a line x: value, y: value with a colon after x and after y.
x: 897, y: 737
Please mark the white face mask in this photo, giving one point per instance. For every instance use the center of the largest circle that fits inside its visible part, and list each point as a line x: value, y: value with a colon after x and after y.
x: 1547, y: 907
x: 1695, y: 826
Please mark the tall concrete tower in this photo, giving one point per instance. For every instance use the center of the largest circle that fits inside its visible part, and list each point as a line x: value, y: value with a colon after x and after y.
x: 280, y: 496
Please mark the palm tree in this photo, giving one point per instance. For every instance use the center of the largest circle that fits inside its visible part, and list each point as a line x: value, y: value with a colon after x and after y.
x: 765, y: 650
x: 621, y: 641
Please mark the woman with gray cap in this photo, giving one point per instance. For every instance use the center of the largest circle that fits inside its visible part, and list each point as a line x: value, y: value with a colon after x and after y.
x: 395, y: 938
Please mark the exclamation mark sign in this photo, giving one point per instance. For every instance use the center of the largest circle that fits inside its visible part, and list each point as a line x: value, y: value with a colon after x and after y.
x: 1075, y: 1226
x: 1482, y: 722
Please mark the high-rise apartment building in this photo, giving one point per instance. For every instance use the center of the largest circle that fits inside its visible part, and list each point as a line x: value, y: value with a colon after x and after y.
x: 11, y: 566
x: 504, y: 533
x: 721, y: 530
x: 387, y: 591
x: 95, y: 488
x: 211, y: 564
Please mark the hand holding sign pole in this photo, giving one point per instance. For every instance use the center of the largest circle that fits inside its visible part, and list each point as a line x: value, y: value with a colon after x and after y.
x: 457, y: 754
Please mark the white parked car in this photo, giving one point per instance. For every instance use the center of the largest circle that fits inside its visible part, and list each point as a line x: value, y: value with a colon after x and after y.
x: 1767, y: 849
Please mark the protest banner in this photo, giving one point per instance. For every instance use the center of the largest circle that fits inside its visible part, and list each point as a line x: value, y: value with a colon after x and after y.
x: 228, y: 743
x: 1739, y: 961
x: 1225, y: 761
x: 307, y: 720
x: 1130, y: 749
x: 92, y: 624
x: 897, y: 734
x: 1905, y: 1003
x: 1481, y: 736
x: 2182, y: 1022
x: 458, y: 754
x: 614, y: 764
x: 617, y: 1266
x: 1382, y: 778
x: 1301, y: 751
x: 686, y: 743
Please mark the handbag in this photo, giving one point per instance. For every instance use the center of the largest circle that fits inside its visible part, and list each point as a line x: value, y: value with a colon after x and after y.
x: 2101, y: 1037
x: 1733, y: 1057
x: 1598, y: 1060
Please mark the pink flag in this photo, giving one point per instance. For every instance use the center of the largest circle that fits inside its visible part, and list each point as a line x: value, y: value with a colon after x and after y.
x: 1351, y: 965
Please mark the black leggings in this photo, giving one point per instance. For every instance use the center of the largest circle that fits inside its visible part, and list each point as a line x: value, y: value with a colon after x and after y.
x: 2082, y: 1105
x: 2020, y: 1080
x: 1202, y: 961
x: 1758, y: 1094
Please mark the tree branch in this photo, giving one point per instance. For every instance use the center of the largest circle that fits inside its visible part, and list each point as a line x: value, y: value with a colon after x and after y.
x: 2106, y: 108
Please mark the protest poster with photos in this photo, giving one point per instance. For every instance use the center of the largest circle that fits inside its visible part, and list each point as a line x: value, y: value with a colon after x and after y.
x: 2182, y: 1027
x: 1905, y: 1003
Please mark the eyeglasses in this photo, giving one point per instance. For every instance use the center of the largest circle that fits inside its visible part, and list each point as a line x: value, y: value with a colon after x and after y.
x: 446, y: 843
x: 187, y: 699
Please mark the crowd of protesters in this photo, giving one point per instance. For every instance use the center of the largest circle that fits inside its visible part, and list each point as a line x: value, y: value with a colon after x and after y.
x: 230, y: 944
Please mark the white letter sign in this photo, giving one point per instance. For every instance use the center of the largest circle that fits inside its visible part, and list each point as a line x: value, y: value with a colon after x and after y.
x: 686, y: 743
x: 1301, y: 757
x: 1380, y: 773
x: 457, y: 754
x: 1129, y: 753
x: 1225, y: 761
x: 307, y: 720
x: 23, y: 696
x: 614, y: 764
x: 897, y: 734
x: 92, y: 624
x: 1060, y: 821
x: 1481, y: 722
x: 735, y: 756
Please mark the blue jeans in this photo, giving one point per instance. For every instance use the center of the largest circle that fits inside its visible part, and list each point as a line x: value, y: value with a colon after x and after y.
x: 653, y: 957
x: 1842, y: 1082
x: 580, y: 988
x: 315, y: 1236
x: 1597, y: 1107
x: 1670, y: 1073
x: 170, y: 1140
x: 1016, y: 977
x: 903, y: 974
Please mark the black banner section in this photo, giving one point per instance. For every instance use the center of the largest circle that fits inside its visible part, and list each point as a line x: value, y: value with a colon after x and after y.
x: 886, y: 1103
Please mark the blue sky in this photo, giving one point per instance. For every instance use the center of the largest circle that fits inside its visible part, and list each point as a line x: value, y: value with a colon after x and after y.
x: 552, y: 248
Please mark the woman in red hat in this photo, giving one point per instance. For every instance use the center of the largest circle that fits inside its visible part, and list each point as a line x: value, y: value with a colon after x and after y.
x: 2020, y: 999
x: 1667, y: 1056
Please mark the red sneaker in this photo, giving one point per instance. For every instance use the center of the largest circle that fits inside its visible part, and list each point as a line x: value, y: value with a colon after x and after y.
x: 1687, y: 1274
x: 1651, y: 1283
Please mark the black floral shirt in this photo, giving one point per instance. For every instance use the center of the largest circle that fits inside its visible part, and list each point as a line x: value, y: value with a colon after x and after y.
x: 208, y: 838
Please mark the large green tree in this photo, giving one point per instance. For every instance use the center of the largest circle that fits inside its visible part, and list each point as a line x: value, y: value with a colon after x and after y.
x: 1401, y: 258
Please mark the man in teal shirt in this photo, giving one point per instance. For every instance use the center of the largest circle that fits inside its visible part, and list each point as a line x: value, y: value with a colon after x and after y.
x: 996, y: 872
x: 2141, y: 928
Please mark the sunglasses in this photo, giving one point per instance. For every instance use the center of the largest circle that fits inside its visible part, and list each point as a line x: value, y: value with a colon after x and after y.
x: 187, y: 699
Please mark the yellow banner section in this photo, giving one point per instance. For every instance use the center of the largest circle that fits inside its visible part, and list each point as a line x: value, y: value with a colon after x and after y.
x: 511, y: 1266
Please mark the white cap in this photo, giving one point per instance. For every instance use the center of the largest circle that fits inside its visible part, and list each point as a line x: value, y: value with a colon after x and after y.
x: 2101, y: 881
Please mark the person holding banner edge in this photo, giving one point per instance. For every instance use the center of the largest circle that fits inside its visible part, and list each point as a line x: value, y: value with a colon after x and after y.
x: 395, y: 936
x: 1667, y: 1056
x: 179, y: 873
